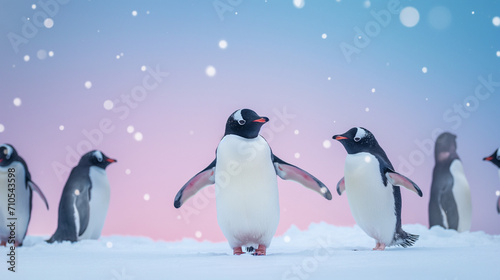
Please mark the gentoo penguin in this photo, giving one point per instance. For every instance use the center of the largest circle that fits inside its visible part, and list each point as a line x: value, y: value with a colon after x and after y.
x: 450, y: 204
x: 16, y: 189
x: 495, y: 159
x: 372, y: 188
x: 85, y: 200
x: 244, y: 172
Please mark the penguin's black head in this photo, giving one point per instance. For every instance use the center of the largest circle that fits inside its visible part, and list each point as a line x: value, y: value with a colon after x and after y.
x: 494, y: 158
x: 245, y: 123
x: 96, y: 158
x: 446, y: 147
x: 357, y: 140
x: 7, y: 154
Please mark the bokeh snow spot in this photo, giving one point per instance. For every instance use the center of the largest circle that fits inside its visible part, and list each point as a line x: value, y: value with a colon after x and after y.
x: 409, y: 16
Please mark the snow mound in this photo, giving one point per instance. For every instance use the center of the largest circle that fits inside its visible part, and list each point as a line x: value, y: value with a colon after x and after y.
x: 321, y: 252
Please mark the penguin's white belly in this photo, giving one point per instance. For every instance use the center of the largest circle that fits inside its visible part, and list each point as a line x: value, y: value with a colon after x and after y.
x: 22, y: 202
x: 372, y: 203
x: 461, y: 193
x: 246, y: 191
x: 99, y: 203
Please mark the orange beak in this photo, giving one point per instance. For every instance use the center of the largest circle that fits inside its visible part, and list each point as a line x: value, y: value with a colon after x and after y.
x: 111, y: 160
x: 340, y: 138
x: 261, y: 120
x: 488, y: 158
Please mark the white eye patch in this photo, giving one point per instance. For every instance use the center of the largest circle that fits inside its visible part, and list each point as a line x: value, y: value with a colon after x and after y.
x: 8, y: 151
x: 238, y: 117
x: 98, y: 156
x: 360, y: 134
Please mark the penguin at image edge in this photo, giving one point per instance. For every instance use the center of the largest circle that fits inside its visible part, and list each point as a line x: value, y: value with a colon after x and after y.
x: 495, y: 159
x: 16, y: 186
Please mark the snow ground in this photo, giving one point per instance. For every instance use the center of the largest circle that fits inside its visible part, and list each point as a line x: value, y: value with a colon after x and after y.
x: 322, y: 252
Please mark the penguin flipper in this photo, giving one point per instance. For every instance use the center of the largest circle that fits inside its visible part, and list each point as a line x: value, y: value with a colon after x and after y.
x: 341, y: 186
x: 36, y: 189
x: 288, y: 171
x: 498, y: 205
x: 397, y: 179
x: 202, y: 179
x: 82, y: 206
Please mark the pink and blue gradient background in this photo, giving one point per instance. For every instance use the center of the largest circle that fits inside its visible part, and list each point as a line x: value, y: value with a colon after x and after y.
x: 275, y: 59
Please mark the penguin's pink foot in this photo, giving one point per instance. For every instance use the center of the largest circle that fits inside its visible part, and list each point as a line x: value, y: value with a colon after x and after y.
x: 261, y: 251
x: 3, y: 243
x: 238, y: 251
x: 379, y: 247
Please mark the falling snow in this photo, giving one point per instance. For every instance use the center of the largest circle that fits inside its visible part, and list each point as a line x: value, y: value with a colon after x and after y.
x: 130, y: 129
x: 41, y: 54
x: 26, y: 58
x: 51, y: 53
x: 146, y: 197
x: 367, y: 109
x: 373, y: 89
x: 17, y: 102
x: 134, y: 13
x: 2, y: 128
x: 33, y: 6
x: 138, y: 136
x: 327, y: 144
x: 88, y: 84
x: 198, y: 234
x: 367, y: 4
x: 299, y: 4
x: 324, y: 36
x: 109, y: 244
x: 424, y: 69
x: 297, y: 155
x: 287, y: 238
x: 48, y: 23
x: 496, y: 21
x: 210, y: 71
x: 296, y: 132
x: 108, y: 105
x: 61, y: 127
x: 143, y: 68
x: 409, y: 16
x: 127, y: 171
x: 498, y: 53
x: 223, y: 44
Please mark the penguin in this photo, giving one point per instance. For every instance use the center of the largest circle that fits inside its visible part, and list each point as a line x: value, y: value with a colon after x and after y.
x: 244, y: 173
x: 495, y: 159
x: 450, y: 203
x: 85, y: 200
x: 373, y: 189
x: 16, y: 187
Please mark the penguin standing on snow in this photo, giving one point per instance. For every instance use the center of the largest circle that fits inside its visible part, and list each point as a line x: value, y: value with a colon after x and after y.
x: 244, y: 172
x: 16, y: 190
x: 495, y: 159
x: 373, y: 189
x: 85, y: 200
x: 450, y: 204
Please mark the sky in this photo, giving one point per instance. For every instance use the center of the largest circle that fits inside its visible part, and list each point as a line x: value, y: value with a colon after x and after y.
x: 152, y: 83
